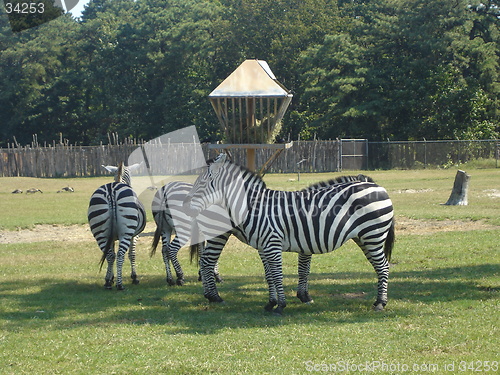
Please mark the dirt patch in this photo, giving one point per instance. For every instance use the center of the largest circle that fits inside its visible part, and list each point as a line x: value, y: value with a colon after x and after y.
x: 412, y: 191
x: 78, y: 233
x: 492, y: 193
x: 405, y: 225
x: 350, y: 295
x: 71, y: 233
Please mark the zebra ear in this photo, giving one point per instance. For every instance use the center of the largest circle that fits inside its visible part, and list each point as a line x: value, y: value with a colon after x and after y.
x: 134, y: 167
x: 110, y: 168
x: 220, y: 159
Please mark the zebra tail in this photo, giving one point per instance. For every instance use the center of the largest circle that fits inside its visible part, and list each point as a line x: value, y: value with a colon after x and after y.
x: 194, y: 253
x: 159, y: 226
x: 156, y: 241
x: 109, y: 245
x: 110, y: 240
x: 389, y: 242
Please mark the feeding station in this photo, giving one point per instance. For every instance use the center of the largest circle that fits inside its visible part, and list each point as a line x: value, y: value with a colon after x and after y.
x: 250, y: 104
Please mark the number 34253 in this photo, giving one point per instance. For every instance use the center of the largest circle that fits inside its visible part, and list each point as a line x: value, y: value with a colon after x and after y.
x: 25, y: 8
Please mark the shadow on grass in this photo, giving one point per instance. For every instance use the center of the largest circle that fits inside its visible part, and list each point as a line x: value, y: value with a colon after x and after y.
x: 343, y: 297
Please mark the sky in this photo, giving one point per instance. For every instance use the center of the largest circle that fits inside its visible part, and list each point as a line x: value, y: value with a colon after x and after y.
x: 77, y: 10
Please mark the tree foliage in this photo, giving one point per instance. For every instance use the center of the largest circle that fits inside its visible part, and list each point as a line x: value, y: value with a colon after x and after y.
x: 400, y: 69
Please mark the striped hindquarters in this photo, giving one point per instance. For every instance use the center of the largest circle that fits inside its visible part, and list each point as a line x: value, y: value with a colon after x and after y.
x: 320, y: 221
x: 115, y: 212
x: 167, y: 209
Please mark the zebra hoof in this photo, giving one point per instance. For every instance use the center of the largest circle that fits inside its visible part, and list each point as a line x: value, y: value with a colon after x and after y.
x: 378, y: 306
x: 135, y: 281
x: 219, y: 279
x: 120, y: 287
x: 270, y: 306
x: 170, y: 282
x: 214, y: 299
x: 180, y: 282
x: 278, y: 311
x: 108, y: 285
x: 305, y: 297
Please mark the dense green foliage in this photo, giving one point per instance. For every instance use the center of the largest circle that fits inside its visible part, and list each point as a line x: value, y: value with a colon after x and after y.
x: 374, y: 68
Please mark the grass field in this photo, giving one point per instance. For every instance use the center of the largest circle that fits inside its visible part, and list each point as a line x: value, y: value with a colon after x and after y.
x: 443, y: 314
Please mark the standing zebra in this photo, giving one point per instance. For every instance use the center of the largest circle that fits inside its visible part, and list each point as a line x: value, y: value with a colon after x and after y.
x: 311, y: 221
x: 171, y: 219
x: 167, y: 205
x: 115, y: 213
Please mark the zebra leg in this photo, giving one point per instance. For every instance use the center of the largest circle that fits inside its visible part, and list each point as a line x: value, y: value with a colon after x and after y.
x: 165, y: 240
x: 304, y: 267
x: 375, y: 255
x: 120, y: 259
x: 173, y: 249
x: 273, y: 296
x: 109, y: 278
x: 131, y: 257
x: 218, y: 277
x: 275, y: 261
x: 208, y: 260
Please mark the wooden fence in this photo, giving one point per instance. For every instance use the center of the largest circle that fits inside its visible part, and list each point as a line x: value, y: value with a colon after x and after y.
x: 60, y: 160
x: 63, y: 160
x: 83, y: 161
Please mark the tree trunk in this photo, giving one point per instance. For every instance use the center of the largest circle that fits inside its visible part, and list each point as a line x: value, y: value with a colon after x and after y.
x: 458, y: 195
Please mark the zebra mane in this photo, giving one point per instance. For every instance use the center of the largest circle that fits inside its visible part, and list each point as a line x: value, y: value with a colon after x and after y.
x: 334, y: 181
x: 119, y: 173
x: 340, y: 180
x: 245, y: 172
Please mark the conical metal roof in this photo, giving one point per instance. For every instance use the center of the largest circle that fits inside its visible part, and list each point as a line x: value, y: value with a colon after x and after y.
x: 253, y: 78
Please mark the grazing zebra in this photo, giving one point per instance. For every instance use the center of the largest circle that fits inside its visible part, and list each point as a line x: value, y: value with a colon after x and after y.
x: 311, y: 221
x: 115, y: 213
x: 167, y: 205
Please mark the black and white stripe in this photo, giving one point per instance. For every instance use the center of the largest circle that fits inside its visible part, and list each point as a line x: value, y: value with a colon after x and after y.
x: 171, y: 220
x: 115, y: 213
x: 167, y: 205
x: 311, y: 221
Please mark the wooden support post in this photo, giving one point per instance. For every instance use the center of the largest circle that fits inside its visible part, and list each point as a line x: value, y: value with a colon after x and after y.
x: 251, y: 159
x: 458, y: 195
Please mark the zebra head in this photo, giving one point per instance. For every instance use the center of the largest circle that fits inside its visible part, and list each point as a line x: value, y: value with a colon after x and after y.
x: 220, y: 184
x: 205, y: 191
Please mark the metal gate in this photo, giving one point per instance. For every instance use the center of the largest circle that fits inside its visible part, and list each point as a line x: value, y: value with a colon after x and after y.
x: 353, y: 154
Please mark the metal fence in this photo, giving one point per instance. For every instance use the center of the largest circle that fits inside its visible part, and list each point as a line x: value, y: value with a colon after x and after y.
x: 304, y: 156
x: 431, y: 154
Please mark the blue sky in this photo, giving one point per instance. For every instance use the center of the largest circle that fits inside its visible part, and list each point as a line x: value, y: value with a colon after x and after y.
x: 77, y: 10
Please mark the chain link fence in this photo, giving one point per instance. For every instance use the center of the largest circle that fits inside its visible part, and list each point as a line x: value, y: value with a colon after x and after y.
x: 432, y: 154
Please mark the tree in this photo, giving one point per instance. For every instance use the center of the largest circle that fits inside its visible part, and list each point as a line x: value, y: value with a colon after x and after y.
x: 421, y: 74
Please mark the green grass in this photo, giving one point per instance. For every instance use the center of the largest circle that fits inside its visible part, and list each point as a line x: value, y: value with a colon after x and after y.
x: 56, y: 318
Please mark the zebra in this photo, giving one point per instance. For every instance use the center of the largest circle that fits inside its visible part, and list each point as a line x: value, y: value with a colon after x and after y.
x: 307, y: 222
x: 167, y: 204
x: 115, y: 213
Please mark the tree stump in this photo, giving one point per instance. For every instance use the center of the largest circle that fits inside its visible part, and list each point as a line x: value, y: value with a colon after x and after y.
x: 458, y: 196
